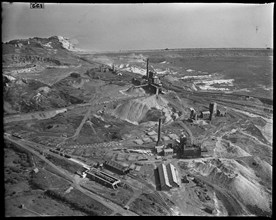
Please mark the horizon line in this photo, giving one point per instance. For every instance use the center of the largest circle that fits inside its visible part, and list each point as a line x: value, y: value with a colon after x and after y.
x: 148, y: 49
x: 187, y: 48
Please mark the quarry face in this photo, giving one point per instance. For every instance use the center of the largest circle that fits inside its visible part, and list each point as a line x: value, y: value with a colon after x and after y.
x: 158, y: 132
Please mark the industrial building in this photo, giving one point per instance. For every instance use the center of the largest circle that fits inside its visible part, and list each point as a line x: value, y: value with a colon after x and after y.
x: 184, y: 140
x: 205, y: 114
x: 104, y: 68
x: 187, y: 149
x: 168, y: 152
x: 193, y: 114
x: 213, y: 111
x: 221, y: 112
x: 150, y: 82
x: 103, y: 178
x: 173, y: 175
x: 193, y: 151
x: 163, y: 177
x: 168, y: 176
x: 116, y: 167
x: 154, y: 84
x: 158, y: 149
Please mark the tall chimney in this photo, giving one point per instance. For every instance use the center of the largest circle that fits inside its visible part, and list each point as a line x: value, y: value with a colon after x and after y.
x: 159, y: 132
x: 148, y: 69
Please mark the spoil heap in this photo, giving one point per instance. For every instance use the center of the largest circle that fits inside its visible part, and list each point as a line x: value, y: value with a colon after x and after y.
x: 138, y: 91
x: 135, y: 110
x: 240, y: 180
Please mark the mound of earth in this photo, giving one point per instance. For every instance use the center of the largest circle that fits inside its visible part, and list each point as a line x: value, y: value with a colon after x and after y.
x: 170, y: 78
x: 135, y: 110
x: 44, y: 89
x: 239, y: 180
x: 31, y: 95
x: 262, y: 169
x: 226, y: 149
x: 135, y: 91
x: 256, y: 132
x: 54, y: 51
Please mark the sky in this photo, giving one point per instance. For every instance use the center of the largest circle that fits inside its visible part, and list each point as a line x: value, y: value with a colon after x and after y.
x: 108, y: 27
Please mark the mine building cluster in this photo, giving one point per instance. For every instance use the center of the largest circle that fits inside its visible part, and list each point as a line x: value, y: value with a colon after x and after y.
x: 153, y: 81
x: 150, y: 82
x: 160, y: 148
x: 187, y: 149
x: 96, y: 173
x: 208, y: 114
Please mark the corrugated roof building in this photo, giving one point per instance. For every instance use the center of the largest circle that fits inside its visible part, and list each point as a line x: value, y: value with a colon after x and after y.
x: 115, y: 167
x: 163, y: 177
x: 173, y: 175
x: 103, y: 178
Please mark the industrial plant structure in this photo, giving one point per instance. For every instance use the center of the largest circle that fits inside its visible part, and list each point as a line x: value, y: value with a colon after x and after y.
x: 213, y: 111
x: 160, y: 147
x: 173, y: 175
x: 221, y: 112
x: 103, y: 178
x: 150, y: 82
x: 115, y: 167
x: 193, y: 115
x: 205, y: 114
x: 168, y: 176
x: 154, y: 83
x: 168, y: 152
x: 163, y: 177
x: 187, y: 149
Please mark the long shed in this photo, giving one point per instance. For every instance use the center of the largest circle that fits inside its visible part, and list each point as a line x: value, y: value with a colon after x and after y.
x: 163, y: 177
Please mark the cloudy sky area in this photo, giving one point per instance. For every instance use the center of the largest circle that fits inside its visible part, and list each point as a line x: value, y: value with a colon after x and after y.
x: 143, y: 26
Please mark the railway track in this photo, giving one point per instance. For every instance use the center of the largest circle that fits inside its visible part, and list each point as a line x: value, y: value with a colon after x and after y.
x: 153, y: 190
x: 111, y: 205
x: 266, y: 101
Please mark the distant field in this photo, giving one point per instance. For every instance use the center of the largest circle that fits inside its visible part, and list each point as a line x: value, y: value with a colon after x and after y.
x: 51, y: 76
x: 251, y: 69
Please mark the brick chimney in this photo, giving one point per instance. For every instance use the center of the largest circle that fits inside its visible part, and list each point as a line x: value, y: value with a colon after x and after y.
x: 159, y: 132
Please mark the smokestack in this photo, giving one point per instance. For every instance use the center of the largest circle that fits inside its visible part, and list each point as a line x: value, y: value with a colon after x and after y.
x: 159, y: 132
x: 148, y: 69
